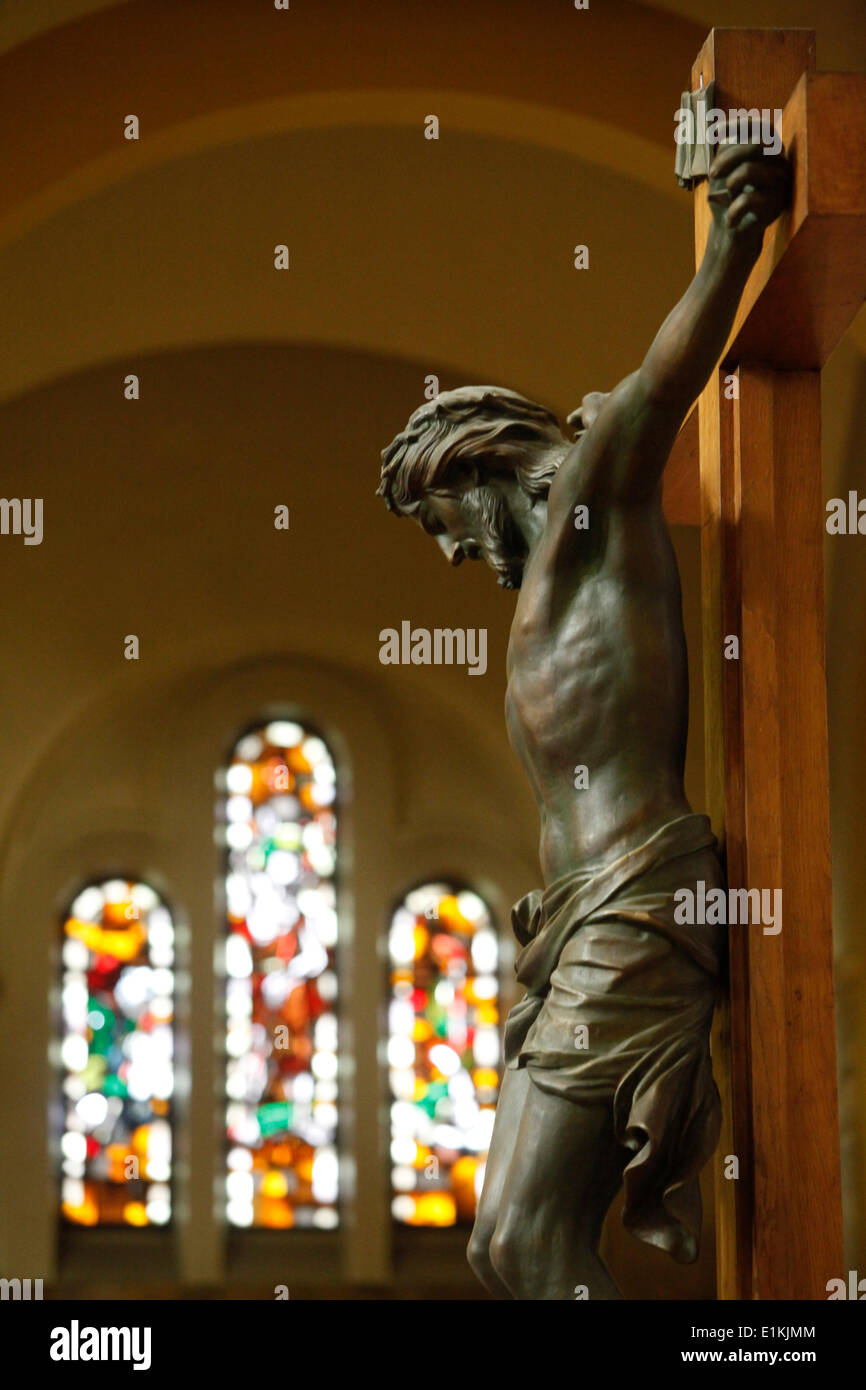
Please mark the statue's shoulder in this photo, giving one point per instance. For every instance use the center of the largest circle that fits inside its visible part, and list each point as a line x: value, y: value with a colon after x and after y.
x: 566, y: 488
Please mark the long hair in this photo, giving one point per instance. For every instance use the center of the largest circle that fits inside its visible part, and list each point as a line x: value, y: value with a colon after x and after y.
x: 447, y: 440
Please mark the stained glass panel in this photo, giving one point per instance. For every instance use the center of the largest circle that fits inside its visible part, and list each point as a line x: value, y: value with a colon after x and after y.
x: 116, y: 1055
x: 280, y: 826
x: 443, y: 1053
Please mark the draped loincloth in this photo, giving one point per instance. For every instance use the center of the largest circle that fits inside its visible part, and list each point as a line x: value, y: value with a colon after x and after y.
x: 617, y: 1012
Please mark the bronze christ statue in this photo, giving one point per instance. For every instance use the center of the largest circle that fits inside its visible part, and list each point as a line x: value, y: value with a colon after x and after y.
x: 608, y: 1080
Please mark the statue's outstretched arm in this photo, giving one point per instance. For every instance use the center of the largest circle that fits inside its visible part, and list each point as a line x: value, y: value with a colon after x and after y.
x: 623, y: 454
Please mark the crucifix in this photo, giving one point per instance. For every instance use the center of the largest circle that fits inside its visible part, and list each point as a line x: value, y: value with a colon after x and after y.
x: 608, y: 1079
x: 778, y: 1206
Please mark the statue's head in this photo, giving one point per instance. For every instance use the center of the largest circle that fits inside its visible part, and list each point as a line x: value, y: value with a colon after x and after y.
x: 469, y: 466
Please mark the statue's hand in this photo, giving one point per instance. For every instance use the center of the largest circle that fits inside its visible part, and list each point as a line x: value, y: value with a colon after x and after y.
x: 748, y: 190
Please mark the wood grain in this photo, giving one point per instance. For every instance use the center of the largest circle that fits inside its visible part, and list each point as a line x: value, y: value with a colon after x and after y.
x: 778, y: 1226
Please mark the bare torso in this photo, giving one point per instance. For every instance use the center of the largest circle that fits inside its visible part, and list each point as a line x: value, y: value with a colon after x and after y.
x: 598, y: 678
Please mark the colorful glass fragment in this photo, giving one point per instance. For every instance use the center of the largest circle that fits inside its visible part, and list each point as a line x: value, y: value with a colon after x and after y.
x: 443, y: 1053
x: 280, y: 825
x: 117, y: 1056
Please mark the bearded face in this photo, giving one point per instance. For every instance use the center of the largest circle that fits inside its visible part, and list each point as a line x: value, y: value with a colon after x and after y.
x: 470, y: 467
x: 476, y: 524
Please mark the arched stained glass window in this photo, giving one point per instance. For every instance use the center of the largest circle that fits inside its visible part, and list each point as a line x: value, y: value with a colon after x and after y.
x: 116, y: 1055
x: 443, y: 1053
x: 280, y: 826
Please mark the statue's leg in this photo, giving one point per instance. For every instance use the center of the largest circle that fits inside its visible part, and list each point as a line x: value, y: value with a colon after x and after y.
x: 565, y: 1170
x: 509, y: 1107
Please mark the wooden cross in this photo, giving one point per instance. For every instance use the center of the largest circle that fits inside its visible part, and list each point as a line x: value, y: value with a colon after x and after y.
x: 779, y: 1223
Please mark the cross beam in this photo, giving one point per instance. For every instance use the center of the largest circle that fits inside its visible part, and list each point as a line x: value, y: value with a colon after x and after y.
x: 778, y: 1224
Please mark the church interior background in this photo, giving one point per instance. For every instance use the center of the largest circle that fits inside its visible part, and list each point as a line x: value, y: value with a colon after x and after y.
x: 158, y: 814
